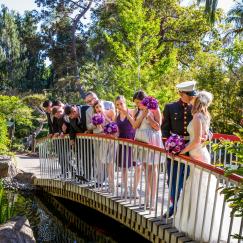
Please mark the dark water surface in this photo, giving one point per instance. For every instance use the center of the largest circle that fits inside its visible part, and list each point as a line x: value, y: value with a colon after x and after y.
x: 58, y: 220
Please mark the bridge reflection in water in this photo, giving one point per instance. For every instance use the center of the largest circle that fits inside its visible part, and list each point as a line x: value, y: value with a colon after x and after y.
x: 65, y: 221
x: 91, y: 173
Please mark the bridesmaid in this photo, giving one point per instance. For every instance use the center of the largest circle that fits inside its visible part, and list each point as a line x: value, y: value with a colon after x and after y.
x: 125, y: 131
x: 147, y: 124
x: 105, y: 151
x: 109, y: 116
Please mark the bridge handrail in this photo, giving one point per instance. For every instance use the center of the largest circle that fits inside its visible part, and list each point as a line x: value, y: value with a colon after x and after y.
x: 141, y: 174
x: 213, y: 168
x: 232, y: 138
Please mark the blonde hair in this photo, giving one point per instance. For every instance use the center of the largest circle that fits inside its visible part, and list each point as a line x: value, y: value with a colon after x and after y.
x: 122, y: 98
x: 202, y: 102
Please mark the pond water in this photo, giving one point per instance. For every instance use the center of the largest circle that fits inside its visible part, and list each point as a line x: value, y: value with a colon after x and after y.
x: 58, y: 220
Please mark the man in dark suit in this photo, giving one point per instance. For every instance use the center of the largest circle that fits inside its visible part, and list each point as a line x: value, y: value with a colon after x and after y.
x: 77, y: 119
x: 51, y: 119
x: 47, y: 105
x: 176, y: 117
x: 63, y: 126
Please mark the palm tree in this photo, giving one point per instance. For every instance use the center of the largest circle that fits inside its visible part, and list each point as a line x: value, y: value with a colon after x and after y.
x: 235, y: 16
x: 210, y: 8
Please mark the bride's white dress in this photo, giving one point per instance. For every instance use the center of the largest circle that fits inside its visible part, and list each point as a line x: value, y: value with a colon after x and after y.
x: 190, y: 213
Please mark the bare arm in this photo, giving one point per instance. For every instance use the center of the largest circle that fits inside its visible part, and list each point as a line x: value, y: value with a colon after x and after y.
x: 111, y: 114
x: 197, y: 127
x: 155, y: 119
x: 89, y: 123
x: 136, y: 123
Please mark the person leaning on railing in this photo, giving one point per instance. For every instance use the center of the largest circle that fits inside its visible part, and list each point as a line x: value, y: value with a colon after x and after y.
x: 90, y: 98
x: 77, y: 119
x: 63, y: 126
x: 103, y: 150
x: 47, y: 106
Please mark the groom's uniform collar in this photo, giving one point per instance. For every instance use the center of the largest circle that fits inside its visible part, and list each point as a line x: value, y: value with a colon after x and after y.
x: 184, y: 104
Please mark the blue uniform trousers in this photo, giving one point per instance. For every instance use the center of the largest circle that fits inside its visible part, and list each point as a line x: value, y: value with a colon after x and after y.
x: 174, y: 177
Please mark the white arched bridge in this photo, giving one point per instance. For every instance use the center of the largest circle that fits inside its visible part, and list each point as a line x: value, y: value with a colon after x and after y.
x: 91, y: 173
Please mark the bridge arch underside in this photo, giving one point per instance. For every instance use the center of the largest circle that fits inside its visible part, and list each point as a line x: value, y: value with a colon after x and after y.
x: 155, y: 229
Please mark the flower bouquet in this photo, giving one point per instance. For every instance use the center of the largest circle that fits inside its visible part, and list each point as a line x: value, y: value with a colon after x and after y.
x: 98, y: 119
x: 150, y: 102
x: 111, y: 128
x: 175, y: 144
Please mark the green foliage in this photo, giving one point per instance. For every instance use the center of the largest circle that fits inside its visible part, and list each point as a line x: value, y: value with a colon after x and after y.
x: 4, y: 141
x: 234, y: 194
x: 6, y: 206
x: 12, y: 108
x: 10, y: 50
x: 136, y: 46
x: 128, y: 45
x: 235, y: 16
x: 223, y: 77
x: 34, y: 100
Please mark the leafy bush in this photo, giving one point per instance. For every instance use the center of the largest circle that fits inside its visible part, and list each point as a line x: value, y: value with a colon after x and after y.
x: 234, y: 194
x: 6, y: 206
x: 4, y: 141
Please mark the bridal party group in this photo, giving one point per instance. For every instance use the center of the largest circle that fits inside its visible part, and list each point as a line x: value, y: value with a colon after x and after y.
x: 144, y: 123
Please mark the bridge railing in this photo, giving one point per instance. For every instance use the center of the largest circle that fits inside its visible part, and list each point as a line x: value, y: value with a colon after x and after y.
x: 143, y: 175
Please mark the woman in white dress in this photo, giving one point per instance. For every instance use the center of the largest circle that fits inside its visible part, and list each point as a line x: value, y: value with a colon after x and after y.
x: 147, y: 124
x: 104, y: 149
x: 190, y: 217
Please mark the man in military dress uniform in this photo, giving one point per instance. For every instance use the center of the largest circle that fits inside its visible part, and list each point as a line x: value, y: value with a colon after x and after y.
x: 176, y: 117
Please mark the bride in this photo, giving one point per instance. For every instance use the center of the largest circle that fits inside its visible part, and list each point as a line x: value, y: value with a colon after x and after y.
x: 190, y: 216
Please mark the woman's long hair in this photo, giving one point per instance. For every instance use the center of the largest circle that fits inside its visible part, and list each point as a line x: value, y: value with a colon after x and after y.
x: 202, y: 102
x: 98, y: 102
x: 119, y: 97
x: 139, y: 95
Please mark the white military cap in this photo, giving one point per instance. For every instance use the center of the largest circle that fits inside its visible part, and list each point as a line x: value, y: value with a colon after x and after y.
x: 189, y: 87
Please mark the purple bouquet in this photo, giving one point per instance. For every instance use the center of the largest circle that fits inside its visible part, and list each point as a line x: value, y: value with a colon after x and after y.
x: 175, y: 144
x: 98, y: 119
x: 111, y: 128
x: 150, y: 102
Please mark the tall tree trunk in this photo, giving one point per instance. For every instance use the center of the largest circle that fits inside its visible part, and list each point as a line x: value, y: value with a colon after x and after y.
x: 74, y: 46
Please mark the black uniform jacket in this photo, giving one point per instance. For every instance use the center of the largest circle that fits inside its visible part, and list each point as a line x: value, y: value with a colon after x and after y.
x: 62, y: 121
x: 78, y: 125
x: 52, y: 123
x: 176, y: 117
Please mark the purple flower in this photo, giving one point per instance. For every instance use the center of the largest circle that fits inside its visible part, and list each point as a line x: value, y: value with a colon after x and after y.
x: 111, y: 128
x: 175, y: 144
x: 150, y: 102
x: 97, y: 119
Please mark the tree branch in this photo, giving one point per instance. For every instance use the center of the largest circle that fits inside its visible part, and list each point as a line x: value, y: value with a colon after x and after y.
x: 75, y: 3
